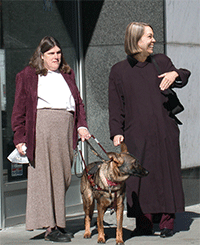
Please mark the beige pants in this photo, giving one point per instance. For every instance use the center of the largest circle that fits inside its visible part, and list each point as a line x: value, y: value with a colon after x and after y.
x: 50, y: 179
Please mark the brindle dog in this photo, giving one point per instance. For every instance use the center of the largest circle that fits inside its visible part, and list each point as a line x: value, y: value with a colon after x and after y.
x: 107, y: 186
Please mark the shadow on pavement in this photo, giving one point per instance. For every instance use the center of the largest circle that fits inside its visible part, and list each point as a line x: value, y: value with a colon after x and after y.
x: 183, y: 222
x: 38, y: 237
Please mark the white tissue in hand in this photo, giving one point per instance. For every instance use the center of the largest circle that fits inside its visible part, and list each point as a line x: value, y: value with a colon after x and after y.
x: 15, y: 157
x: 24, y: 148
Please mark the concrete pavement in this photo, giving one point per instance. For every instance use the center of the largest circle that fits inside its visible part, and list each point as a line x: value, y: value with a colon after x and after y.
x: 187, y: 231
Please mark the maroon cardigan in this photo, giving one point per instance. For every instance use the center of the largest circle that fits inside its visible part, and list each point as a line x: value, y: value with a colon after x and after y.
x: 25, y: 108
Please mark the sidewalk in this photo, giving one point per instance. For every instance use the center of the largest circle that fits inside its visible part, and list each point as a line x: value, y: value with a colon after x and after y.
x: 187, y: 231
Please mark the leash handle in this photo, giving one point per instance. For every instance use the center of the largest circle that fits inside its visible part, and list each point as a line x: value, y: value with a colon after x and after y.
x: 99, y: 143
x: 93, y: 150
x: 83, y: 160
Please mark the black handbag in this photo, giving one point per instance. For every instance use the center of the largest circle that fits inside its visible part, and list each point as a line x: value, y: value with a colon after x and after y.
x: 173, y: 104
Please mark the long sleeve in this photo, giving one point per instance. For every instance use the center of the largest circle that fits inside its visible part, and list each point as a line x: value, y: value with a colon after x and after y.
x: 166, y: 65
x: 18, y: 119
x: 116, y: 105
x: 182, y: 79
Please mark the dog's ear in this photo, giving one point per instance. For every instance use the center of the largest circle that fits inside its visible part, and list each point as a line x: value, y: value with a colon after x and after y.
x: 115, y: 157
x: 112, y: 156
x: 124, y: 148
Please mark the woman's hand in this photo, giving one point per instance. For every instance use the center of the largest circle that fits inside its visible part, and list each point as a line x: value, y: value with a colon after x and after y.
x: 19, y: 148
x: 84, y: 134
x: 168, y: 79
x: 118, y: 139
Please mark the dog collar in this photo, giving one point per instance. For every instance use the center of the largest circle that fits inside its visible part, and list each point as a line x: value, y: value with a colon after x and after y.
x: 110, y: 183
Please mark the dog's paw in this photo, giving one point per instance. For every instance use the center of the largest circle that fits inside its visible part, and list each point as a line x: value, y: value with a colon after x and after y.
x: 87, y: 235
x: 101, y: 240
x: 119, y: 243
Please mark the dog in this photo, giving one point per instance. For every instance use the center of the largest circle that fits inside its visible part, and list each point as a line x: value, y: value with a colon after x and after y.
x: 105, y: 182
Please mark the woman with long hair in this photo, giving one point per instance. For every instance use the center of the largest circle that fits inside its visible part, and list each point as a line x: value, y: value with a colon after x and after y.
x: 48, y: 115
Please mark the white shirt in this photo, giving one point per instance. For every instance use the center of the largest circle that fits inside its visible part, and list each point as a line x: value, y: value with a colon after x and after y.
x: 54, y: 92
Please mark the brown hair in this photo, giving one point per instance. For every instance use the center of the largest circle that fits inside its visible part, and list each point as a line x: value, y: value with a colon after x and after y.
x: 134, y: 31
x: 45, y: 45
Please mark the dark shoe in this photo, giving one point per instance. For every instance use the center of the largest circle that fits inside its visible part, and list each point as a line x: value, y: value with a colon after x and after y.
x: 57, y: 236
x: 142, y: 232
x: 68, y: 233
x: 166, y: 233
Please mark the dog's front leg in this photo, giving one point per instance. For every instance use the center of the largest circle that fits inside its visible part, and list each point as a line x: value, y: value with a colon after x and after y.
x: 119, y: 217
x: 88, y: 204
x: 101, y: 210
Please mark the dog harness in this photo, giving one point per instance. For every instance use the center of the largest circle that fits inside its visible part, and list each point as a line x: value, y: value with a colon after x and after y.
x: 91, y: 173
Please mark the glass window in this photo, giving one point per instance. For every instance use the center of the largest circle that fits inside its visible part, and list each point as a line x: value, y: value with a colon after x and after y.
x: 23, y: 25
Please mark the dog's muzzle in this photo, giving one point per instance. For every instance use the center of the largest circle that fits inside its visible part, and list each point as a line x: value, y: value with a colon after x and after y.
x: 134, y: 169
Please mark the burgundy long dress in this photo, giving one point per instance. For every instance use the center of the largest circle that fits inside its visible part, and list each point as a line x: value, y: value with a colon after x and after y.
x: 136, y: 111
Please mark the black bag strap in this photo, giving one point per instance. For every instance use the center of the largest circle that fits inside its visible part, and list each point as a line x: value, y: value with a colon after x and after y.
x: 169, y: 90
x: 156, y: 65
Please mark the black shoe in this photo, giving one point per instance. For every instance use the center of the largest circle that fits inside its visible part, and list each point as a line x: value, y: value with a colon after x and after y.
x: 57, y: 236
x: 142, y: 232
x: 166, y: 233
x: 68, y: 233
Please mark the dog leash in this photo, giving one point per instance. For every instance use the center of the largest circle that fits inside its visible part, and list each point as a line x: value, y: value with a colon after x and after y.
x: 98, y: 143
x: 89, y: 175
x: 94, y: 151
x: 78, y: 150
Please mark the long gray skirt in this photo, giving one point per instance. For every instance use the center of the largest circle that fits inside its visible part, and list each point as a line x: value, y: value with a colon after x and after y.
x: 51, y: 177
